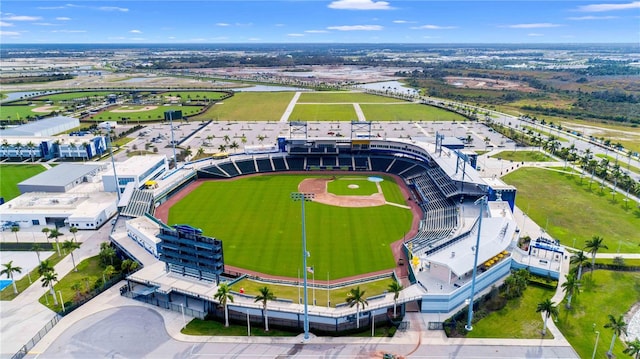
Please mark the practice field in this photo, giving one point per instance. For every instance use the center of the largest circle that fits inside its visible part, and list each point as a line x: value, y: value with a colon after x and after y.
x: 12, y: 175
x: 139, y: 113
x: 328, y: 112
x: 21, y: 112
x: 249, y: 106
x: 260, y: 226
x: 344, y: 97
x: 573, y: 211
x: 66, y: 96
x: 407, y: 112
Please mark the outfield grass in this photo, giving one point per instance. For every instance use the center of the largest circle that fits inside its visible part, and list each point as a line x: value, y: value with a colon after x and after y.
x: 150, y: 115
x: 340, y: 186
x: 408, y: 112
x: 14, y: 113
x: 336, y: 296
x: 327, y: 112
x: 523, y: 156
x: 607, y: 292
x: 574, y: 211
x: 249, y: 106
x: 344, y: 97
x: 12, y: 175
x: 260, y: 227
x: 74, y: 95
x: 517, y: 320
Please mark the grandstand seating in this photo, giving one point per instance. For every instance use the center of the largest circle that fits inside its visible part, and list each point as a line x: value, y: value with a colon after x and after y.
x: 445, y: 184
x: 313, y: 161
x: 361, y: 163
x: 345, y: 161
x: 246, y: 166
x: 229, y: 168
x: 264, y: 165
x: 296, y: 163
x: 398, y: 165
x: 380, y: 164
x: 141, y: 202
x: 278, y: 164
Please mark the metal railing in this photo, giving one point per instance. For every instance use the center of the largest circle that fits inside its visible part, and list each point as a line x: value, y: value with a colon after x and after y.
x: 24, y: 350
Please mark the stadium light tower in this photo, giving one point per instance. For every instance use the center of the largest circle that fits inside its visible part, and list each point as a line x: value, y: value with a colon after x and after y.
x: 482, y: 201
x: 113, y: 164
x: 303, y: 197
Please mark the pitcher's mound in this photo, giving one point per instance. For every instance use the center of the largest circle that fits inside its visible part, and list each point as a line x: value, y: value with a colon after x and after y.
x: 353, y: 186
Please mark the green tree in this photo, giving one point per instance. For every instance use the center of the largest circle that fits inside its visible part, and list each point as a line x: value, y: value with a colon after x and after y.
x: 9, y: 270
x: 107, y: 253
x: 594, y: 245
x: 44, y: 267
x: 619, y: 327
x: 73, y: 230
x: 571, y: 286
x: 71, y: 246
x: 633, y: 349
x: 356, y: 297
x: 395, y: 288
x: 46, y: 230
x: 48, y: 278
x: 77, y: 286
x: 223, y: 295
x: 548, y: 308
x: 36, y: 248
x: 128, y: 265
x: 15, y: 230
x: 55, y: 233
x: 265, y: 296
x: 579, y: 259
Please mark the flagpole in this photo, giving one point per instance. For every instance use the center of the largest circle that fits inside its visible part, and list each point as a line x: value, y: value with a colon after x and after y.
x: 313, y: 277
x: 328, y: 299
x: 298, y: 285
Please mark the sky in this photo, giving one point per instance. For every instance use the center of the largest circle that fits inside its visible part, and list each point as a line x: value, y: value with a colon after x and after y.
x: 319, y: 21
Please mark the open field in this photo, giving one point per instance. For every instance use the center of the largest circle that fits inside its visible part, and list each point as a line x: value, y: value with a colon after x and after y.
x: 557, y: 197
x: 12, y: 175
x: 193, y: 95
x: 21, y: 112
x: 517, y: 320
x: 249, y: 106
x: 346, y: 97
x: 622, y: 161
x: 139, y: 113
x: 323, y: 113
x: 260, y: 226
x: 520, y: 156
x: 408, y: 112
x: 604, y: 293
x: 74, y: 95
x: 336, y: 296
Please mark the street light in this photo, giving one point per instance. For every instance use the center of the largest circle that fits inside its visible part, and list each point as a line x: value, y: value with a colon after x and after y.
x: 482, y: 202
x: 61, y: 301
x: 184, y: 321
x: 113, y: 164
x: 303, y: 197
x: 595, y: 347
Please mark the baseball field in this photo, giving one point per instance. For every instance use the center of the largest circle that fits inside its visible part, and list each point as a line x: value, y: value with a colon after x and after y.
x: 260, y: 225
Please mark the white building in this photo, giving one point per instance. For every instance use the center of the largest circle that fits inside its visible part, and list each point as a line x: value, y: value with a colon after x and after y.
x: 138, y: 170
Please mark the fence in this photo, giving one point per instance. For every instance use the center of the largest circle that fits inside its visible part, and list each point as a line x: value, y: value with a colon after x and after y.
x: 36, y: 338
x: 325, y: 286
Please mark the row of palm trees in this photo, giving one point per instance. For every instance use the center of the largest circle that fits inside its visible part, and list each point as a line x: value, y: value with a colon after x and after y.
x: 355, y: 297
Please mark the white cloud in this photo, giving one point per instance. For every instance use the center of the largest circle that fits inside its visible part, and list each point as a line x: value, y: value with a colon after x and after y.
x: 356, y: 28
x: 9, y: 33
x: 62, y: 18
x: 540, y: 25
x: 609, y: 7
x: 254, y: 39
x: 223, y: 24
x: 533, y: 34
x: 138, y: 38
x: 135, y: 31
x: 5, y: 24
x: 295, y: 35
x: 279, y: 25
x: 22, y: 18
x: 113, y: 8
x: 316, y: 31
x: 403, y: 22
x: 580, y: 18
x: 116, y: 38
x: 45, y: 24
x: 69, y: 31
x: 433, y: 27
x: 360, y: 5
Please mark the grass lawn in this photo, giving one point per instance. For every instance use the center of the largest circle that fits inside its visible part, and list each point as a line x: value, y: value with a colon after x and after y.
x: 336, y: 296
x: 408, y: 112
x: 520, y: 156
x: 517, y: 320
x: 344, y: 97
x: 260, y: 227
x: 89, y: 271
x: 607, y: 292
x: 326, y: 112
x: 142, y: 115
x: 249, y: 106
x: 194, y: 95
x: 214, y: 327
x: 23, y: 283
x: 341, y: 185
x: 12, y: 175
x: 13, y: 113
x: 574, y: 211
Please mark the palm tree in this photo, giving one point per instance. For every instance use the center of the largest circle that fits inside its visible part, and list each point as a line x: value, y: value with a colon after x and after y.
x: 226, y: 138
x: 580, y: 259
x: 31, y: 146
x: 222, y: 295
x: 71, y: 246
x: 9, y: 269
x: 128, y: 265
x: 549, y: 308
x: 15, y: 230
x: 36, y: 248
x: 356, y: 297
x: 619, y: 327
x: 77, y: 286
x: 265, y: 295
x: 594, y: 245
x: 55, y: 233
x: 48, y: 278
x: 107, y: 253
x: 395, y: 288
x: 45, y: 230
x: 73, y: 230
x: 44, y: 267
x: 571, y: 287
x: 222, y: 148
x: 633, y: 348
x: 234, y: 146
